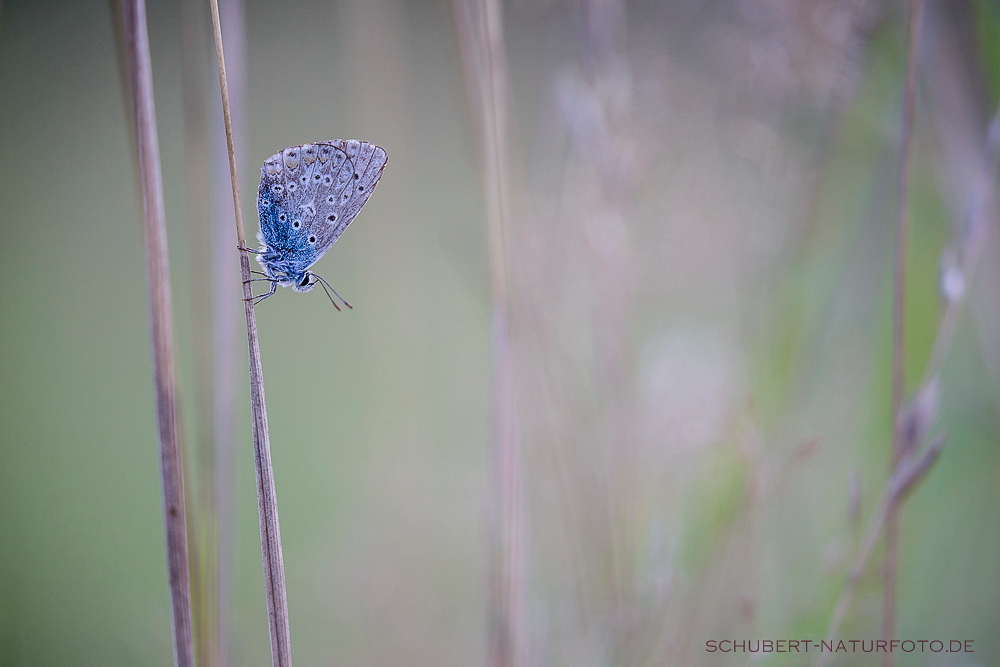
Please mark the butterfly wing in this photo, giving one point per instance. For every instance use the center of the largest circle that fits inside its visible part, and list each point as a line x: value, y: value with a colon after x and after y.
x: 309, y: 194
x: 338, y: 203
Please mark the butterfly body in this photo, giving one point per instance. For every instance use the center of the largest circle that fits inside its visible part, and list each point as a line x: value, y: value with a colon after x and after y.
x: 308, y: 196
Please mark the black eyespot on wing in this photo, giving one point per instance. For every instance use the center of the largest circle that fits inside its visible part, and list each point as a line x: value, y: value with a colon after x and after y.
x: 296, y: 224
x: 331, y: 218
x: 356, y: 177
x: 282, y: 217
x: 312, y: 239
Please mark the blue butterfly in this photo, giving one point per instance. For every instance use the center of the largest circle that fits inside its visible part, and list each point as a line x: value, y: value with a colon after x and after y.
x: 308, y: 196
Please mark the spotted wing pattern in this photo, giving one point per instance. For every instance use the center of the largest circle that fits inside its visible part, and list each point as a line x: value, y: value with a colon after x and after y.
x: 308, y: 196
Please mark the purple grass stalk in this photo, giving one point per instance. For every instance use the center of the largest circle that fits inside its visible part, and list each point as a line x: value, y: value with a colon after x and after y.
x: 140, y: 80
x: 267, y: 502
x: 973, y: 227
x: 899, y: 450
x: 226, y: 307
x: 203, y: 532
x: 905, y: 477
x: 484, y: 60
x: 914, y: 467
x: 915, y: 419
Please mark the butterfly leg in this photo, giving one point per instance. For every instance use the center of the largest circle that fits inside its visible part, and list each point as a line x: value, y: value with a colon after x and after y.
x: 257, y: 298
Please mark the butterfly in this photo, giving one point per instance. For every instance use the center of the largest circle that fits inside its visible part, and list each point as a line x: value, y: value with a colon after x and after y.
x: 308, y: 196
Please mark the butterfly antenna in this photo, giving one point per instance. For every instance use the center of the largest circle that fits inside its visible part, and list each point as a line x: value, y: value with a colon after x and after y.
x: 325, y: 291
x: 326, y: 285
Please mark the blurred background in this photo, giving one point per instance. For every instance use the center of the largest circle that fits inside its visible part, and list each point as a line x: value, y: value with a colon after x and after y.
x: 699, y: 265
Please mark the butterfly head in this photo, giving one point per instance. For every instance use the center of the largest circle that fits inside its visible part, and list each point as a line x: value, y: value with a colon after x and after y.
x: 303, y: 282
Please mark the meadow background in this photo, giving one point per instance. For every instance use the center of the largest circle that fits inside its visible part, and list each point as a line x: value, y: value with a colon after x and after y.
x: 700, y: 267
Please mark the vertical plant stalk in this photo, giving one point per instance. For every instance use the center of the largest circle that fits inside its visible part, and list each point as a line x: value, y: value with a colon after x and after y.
x: 973, y: 227
x: 898, y: 315
x: 140, y: 79
x: 267, y: 502
x: 203, y: 527
x: 480, y: 30
x: 227, y: 295
x: 914, y: 467
x: 902, y: 481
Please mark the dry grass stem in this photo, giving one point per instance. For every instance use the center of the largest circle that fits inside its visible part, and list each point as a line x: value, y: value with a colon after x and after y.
x: 910, y: 471
x: 270, y: 537
x: 227, y: 311
x: 203, y: 530
x: 140, y: 80
x: 484, y: 61
x: 972, y: 230
x: 915, y: 419
x: 898, y: 314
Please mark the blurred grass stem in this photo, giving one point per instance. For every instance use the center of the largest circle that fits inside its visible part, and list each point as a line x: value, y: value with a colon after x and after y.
x: 910, y: 471
x: 898, y: 314
x: 227, y: 302
x: 913, y: 468
x: 972, y: 230
x: 204, y: 532
x: 270, y: 536
x: 480, y: 31
x: 140, y: 81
